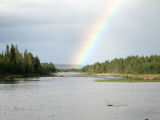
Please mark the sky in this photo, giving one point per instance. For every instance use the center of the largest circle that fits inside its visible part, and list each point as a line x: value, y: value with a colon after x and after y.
x: 55, y: 29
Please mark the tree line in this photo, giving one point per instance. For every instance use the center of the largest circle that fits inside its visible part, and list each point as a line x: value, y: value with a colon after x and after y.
x: 12, y: 61
x: 132, y: 65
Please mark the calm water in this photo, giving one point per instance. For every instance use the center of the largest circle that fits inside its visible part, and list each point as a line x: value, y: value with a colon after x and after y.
x: 73, y: 97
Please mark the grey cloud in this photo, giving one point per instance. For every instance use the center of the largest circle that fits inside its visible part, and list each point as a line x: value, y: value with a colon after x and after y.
x: 54, y: 29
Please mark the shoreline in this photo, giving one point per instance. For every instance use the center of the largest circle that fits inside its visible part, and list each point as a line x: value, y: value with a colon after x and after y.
x: 127, y: 81
x: 127, y: 77
x: 124, y: 75
x: 15, y: 76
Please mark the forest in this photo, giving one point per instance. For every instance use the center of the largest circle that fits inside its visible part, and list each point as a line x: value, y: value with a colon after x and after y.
x: 130, y: 65
x: 12, y: 61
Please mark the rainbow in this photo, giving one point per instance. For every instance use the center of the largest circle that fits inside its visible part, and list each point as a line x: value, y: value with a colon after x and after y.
x: 90, y: 41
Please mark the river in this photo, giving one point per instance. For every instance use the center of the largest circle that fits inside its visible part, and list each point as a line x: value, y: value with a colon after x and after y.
x: 70, y: 96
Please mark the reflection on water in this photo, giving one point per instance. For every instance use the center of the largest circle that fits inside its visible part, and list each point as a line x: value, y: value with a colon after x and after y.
x: 8, y: 81
x: 77, y: 98
x: 18, y: 81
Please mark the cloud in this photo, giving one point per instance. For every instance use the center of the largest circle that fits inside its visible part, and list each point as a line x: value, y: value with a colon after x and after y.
x: 54, y: 29
x: 35, y: 12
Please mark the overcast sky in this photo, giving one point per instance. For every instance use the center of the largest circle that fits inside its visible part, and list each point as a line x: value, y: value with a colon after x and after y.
x: 54, y: 29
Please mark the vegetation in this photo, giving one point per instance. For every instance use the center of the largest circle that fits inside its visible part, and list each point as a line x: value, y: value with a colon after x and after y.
x: 129, y: 65
x: 12, y: 62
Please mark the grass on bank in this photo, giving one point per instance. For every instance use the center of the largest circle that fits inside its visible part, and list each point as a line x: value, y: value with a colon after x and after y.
x: 126, y: 77
x: 124, y: 80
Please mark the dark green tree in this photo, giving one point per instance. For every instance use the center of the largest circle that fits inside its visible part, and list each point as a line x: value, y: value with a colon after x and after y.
x: 14, y: 62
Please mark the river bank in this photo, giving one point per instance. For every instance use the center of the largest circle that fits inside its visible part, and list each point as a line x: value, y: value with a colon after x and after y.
x: 125, y: 80
x: 15, y: 76
x: 127, y: 77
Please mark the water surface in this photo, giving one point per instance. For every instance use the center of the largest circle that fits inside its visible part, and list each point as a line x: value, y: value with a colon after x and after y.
x: 73, y: 97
